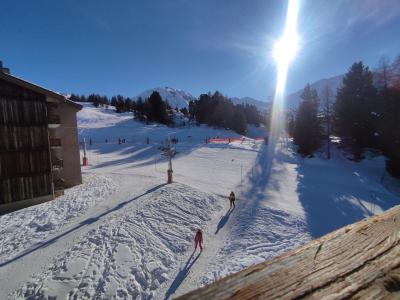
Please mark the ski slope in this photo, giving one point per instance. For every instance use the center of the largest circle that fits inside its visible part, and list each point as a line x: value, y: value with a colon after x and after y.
x: 124, y: 234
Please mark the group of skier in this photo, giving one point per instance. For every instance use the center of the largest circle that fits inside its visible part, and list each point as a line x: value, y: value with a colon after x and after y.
x: 198, y: 238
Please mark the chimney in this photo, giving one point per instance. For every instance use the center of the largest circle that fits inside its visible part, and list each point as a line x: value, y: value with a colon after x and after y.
x: 4, y: 70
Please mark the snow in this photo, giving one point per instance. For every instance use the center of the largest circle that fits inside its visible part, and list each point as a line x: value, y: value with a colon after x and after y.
x: 22, y: 229
x: 113, y: 264
x: 124, y: 234
x: 175, y: 97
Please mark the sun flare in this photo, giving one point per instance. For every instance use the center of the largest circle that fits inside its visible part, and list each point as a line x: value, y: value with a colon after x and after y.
x: 286, y: 48
x: 284, y: 51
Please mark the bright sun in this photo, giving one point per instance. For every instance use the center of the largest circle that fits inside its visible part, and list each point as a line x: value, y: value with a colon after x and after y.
x: 286, y: 48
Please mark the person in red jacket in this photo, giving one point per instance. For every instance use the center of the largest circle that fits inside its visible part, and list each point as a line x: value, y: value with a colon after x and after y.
x: 198, y: 239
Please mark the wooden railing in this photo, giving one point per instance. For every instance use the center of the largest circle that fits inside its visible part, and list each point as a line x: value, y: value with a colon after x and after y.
x: 57, y: 163
x: 59, y: 184
x: 53, y: 120
x: 359, y: 261
x: 55, y: 142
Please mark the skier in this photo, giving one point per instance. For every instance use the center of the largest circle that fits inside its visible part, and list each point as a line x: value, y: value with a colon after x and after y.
x: 232, y: 199
x: 198, y: 239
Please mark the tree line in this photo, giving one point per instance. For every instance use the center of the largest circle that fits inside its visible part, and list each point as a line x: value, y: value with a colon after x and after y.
x: 365, y: 114
x: 218, y: 110
x: 211, y: 109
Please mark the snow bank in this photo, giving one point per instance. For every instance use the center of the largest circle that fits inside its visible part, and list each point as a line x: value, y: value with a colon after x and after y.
x: 21, y: 229
x: 133, y: 254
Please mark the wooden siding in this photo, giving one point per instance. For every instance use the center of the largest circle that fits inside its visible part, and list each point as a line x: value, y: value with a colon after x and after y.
x: 25, y: 170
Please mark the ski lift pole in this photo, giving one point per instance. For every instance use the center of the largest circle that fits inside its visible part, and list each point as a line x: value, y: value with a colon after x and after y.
x: 169, y: 153
x: 170, y: 171
x: 84, y: 159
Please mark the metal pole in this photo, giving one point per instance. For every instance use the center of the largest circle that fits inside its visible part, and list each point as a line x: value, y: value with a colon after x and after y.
x: 84, y: 159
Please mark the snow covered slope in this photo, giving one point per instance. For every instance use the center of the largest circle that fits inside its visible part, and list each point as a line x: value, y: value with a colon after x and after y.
x: 125, y: 234
x: 175, y: 97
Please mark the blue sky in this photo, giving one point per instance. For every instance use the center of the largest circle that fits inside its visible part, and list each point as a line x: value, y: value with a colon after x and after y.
x: 127, y: 46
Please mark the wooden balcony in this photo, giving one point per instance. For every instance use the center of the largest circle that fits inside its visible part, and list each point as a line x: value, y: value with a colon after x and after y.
x: 53, y: 121
x: 55, y: 143
x: 59, y: 184
x: 57, y: 163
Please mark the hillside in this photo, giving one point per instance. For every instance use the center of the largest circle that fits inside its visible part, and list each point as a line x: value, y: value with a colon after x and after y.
x: 175, y: 97
x: 125, y: 233
x: 261, y: 105
x: 293, y: 99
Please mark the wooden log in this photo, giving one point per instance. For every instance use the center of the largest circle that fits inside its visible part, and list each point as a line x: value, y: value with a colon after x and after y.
x: 359, y: 261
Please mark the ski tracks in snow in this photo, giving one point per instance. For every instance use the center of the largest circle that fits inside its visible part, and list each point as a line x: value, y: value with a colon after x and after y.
x: 133, y: 254
x: 194, y: 267
x: 21, y: 229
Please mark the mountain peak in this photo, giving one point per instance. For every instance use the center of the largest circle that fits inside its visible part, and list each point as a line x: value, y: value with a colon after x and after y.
x: 175, y: 97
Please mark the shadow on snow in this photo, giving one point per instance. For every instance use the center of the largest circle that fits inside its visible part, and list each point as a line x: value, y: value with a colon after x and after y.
x: 86, y: 222
x: 224, y: 220
x: 181, y: 275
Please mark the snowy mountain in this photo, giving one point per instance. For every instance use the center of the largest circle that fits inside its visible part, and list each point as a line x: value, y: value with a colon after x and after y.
x: 181, y: 98
x: 261, y: 105
x: 293, y: 100
x: 175, y: 97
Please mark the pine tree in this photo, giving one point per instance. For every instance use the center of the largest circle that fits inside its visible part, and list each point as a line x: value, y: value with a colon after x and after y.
x: 327, y: 110
x: 307, y: 131
x: 290, y: 124
x: 239, y: 122
x: 356, y: 104
x: 390, y: 134
x: 157, y: 109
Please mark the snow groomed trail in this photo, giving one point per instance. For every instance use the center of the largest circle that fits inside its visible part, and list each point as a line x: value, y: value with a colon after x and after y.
x: 124, y: 234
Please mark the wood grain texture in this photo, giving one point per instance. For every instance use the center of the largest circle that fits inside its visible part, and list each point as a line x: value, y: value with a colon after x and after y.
x: 25, y: 169
x: 359, y: 261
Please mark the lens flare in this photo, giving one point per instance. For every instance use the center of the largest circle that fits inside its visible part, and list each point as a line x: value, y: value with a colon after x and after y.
x: 284, y: 52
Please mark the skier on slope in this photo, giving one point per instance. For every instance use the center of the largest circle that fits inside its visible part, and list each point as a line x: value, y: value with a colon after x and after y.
x: 232, y: 199
x: 198, y: 239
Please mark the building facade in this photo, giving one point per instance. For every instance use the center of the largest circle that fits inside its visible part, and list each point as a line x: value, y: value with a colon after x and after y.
x: 39, y: 149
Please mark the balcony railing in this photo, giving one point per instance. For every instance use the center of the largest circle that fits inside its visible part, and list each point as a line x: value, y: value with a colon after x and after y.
x: 57, y: 163
x: 55, y: 142
x: 53, y: 121
x: 59, y: 184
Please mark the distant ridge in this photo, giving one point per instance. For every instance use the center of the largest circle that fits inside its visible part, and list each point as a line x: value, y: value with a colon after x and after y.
x: 293, y: 100
x: 261, y: 105
x: 180, y: 98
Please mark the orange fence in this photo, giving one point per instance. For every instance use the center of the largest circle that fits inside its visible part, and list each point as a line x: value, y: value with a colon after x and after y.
x: 232, y: 139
